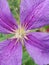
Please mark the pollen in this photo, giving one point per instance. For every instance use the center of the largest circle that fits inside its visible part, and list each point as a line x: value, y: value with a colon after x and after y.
x: 20, y: 33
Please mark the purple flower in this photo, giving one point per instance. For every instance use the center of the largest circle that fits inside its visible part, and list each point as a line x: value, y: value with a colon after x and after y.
x: 33, y: 14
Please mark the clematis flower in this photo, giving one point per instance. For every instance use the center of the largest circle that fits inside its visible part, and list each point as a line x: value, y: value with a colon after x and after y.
x: 33, y: 14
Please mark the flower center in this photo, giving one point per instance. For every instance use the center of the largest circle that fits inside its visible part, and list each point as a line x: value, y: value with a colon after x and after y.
x: 20, y: 32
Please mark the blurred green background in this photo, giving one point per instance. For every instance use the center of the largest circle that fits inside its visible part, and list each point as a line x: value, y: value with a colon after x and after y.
x: 15, y: 8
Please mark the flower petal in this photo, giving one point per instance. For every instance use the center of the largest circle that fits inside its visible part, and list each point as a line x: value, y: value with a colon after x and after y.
x: 37, y: 46
x: 7, y: 20
x: 10, y: 52
x: 34, y: 13
x: 26, y: 6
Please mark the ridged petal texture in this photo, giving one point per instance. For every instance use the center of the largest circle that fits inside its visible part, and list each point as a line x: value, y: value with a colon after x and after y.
x: 37, y: 46
x: 34, y: 13
x: 10, y: 52
x: 7, y: 21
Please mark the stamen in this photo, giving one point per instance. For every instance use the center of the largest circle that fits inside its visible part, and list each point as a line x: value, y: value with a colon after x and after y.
x: 20, y: 32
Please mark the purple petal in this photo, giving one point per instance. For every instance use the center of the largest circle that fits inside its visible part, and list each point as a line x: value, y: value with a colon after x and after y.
x: 7, y: 20
x: 34, y: 13
x: 37, y: 46
x: 26, y: 6
x: 10, y: 52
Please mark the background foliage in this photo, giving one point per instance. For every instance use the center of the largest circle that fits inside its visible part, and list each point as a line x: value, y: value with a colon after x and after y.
x: 15, y: 8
